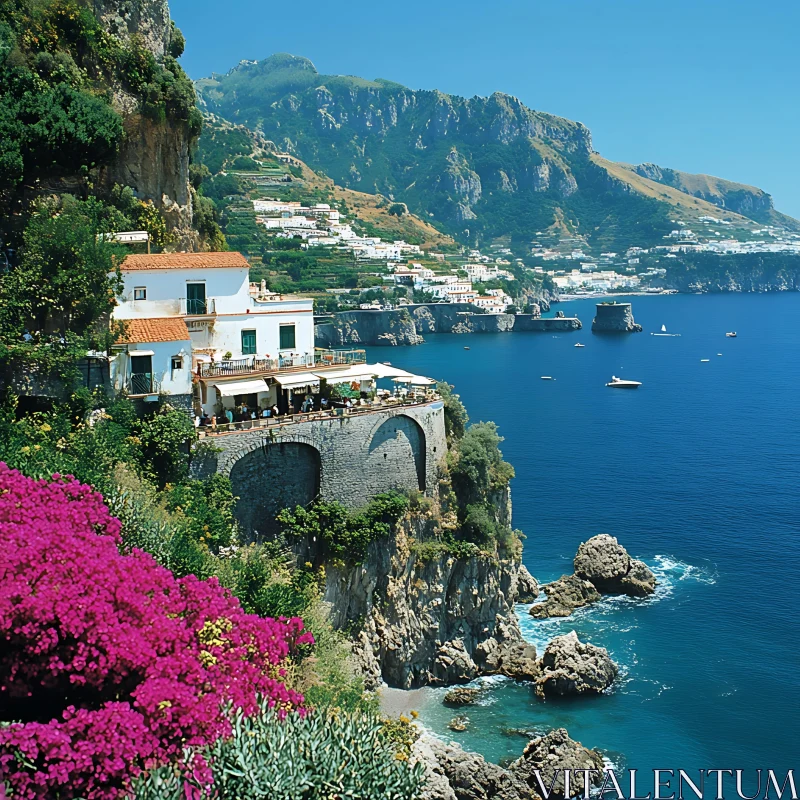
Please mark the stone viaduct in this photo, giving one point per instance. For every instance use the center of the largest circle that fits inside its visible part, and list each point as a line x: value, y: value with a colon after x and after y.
x: 350, y: 458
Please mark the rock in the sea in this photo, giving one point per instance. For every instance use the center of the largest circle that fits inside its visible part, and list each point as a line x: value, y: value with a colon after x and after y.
x: 527, y: 586
x: 452, y: 773
x: 570, y: 666
x: 461, y: 696
x: 606, y: 563
x: 551, y: 755
x: 454, y: 664
x: 614, y: 318
x: 564, y: 596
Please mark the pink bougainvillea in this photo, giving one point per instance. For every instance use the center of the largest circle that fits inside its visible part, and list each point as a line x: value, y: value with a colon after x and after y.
x: 108, y: 663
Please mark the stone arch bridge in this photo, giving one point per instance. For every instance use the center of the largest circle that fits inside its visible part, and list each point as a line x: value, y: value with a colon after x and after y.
x: 349, y: 459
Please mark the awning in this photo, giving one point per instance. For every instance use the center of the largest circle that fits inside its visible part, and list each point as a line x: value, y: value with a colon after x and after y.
x: 141, y: 352
x: 296, y: 380
x: 415, y: 380
x: 386, y: 371
x: 345, y: 377
x: 241, y: 387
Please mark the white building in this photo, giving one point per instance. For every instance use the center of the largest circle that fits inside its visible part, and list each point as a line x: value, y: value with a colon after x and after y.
x: 191, y: 328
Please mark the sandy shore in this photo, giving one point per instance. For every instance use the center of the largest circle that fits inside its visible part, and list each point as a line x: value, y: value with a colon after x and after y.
x: 395, y: 702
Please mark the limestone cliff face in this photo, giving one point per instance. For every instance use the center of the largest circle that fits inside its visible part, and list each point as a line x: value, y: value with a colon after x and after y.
x: 154, y: 157
x: 426, y: 620
x: 409, y: 326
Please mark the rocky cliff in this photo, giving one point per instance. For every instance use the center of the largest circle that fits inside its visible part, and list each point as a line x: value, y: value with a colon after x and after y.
x: 426, y: 616
x: 409, y: 325
x: 154, y: 156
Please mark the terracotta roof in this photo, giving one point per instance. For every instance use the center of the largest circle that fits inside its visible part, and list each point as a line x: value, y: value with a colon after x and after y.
x: 163, y: 329
x: 184, y: 261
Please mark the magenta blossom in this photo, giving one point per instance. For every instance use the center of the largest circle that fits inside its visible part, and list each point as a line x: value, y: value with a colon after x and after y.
x: 109, y: 663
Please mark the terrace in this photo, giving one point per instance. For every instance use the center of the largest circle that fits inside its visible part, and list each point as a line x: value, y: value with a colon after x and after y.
x: 253, y: 365
x: 414, y: 399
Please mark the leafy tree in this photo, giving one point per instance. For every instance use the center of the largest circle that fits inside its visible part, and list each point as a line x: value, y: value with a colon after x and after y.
x: 398, y: 209
x: 68, y: 276
x: 455, y: 414
x: 164, y: 439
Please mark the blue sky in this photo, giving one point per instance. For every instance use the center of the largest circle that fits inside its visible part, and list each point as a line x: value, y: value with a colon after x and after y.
x: 699, y: 85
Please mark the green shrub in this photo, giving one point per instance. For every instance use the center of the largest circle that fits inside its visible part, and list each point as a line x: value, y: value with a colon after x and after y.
x: 321, y: 756
x: 339, y: 534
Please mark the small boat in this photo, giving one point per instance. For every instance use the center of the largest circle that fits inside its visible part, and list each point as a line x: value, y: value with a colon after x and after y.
x: 466, y: 348
x: 578, y: 344
x: 664, y: 332
x: 704, y: 360
x: 546, y: 377
x: 719, y: 354
x: 731, y: 334
x: 619, y: 383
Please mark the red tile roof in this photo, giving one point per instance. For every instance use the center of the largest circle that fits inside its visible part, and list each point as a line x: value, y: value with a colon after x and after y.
x: 163, y: 329
x: 184, y: 261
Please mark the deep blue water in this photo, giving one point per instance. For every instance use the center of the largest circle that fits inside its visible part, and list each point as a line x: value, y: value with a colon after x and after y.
x: 698, y: 474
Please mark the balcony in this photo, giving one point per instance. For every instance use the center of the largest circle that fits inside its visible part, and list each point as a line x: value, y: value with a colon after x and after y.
x: 198, y: 307
x: 252, y: 365
x: 142, y: 383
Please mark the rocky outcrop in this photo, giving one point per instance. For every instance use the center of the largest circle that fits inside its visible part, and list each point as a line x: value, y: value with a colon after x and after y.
x: 564, y: 596
x: 546, y: 758
x: 461, y: 696
x: 602, y: 566
x: 614, y: 318
x: 571, y: 667
x: 408, y: 325
x: 452, y: 773
x: 429, y: 620
x: 372, y: 328
x: 606, y: 563
x: 527, y: 586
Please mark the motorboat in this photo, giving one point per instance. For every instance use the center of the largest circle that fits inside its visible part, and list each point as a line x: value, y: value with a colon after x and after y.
x: 546, y: 377
x: 719, y: 354
x: 664, y: 332
x: 731, y: 334
x: 704, y: 360
x: 619, y: 383
x: 578, y: 344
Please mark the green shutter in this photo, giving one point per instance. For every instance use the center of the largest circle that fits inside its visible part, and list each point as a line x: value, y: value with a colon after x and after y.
x: 287, y: 337
x: 248, y: 343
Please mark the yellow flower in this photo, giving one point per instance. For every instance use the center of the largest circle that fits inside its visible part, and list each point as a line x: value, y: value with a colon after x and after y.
x: 415, y: 714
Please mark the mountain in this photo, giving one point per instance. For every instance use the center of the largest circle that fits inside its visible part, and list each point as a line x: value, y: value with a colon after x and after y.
x: 478, y: 168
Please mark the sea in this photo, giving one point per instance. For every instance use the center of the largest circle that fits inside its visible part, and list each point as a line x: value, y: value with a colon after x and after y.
x: 697, y: 473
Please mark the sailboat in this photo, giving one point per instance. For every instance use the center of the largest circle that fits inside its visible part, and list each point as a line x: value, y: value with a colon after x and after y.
x: 664, y: 332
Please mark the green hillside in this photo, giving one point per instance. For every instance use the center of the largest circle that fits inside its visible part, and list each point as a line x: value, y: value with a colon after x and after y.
x: 477, y: 168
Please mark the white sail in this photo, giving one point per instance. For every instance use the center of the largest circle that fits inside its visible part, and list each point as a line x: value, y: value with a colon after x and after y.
x: 663, y: 329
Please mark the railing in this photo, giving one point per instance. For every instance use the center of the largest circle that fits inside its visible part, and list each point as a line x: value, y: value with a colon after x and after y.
x: 142, y: 383
x: 251, y: 364
x: 198, y: 307
x: 238, y: 366
x: 330, y: 358
x: 310, y: 416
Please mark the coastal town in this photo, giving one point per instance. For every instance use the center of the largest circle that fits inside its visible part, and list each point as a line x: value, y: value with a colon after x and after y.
x: 486, y: 281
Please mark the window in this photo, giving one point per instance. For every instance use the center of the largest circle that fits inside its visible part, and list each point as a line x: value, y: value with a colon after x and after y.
x: 140, y: 293
x: 287, y: 337
x: 177, y: 363
x: 195, y: 298
x: 248, y: 343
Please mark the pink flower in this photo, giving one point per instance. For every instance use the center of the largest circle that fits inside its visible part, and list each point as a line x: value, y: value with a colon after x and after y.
x: 111, y: 663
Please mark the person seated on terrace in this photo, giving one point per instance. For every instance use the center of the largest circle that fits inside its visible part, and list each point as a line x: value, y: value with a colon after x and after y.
x: 323, y: 403
x: 348, y: 403
x: 275, y: 411
x: 205, y: 420
x: 265, y: 413
x: 229, y: 415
